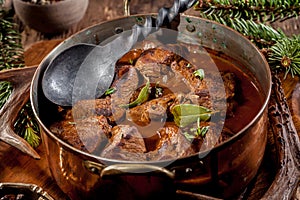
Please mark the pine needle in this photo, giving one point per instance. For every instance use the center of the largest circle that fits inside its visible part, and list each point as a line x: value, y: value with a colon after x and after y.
x: 12, y: 56
x: 252, y: 19
x: 285, y: 55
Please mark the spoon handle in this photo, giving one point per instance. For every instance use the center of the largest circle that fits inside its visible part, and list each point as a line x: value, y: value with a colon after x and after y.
x: 179, y: 6
x: 166, y: 15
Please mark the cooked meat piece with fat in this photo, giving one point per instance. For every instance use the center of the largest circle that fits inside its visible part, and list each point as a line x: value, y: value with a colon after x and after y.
x: 93, y: 107
x: 129, y: 58
x: 97, y: 107
x: 229, y: 79
x: 224, y: 91
x: 156, y: 55
x: 126, y: 143
x: 186, y: 70
x: 171, y: 145
x: 89, y: 134
x: 155, y: 109
x: 125, y: 87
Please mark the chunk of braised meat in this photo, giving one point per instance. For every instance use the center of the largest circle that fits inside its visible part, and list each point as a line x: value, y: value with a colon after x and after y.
x: 97, y: 107
x: 229, y: 79
x: 187, y: 70
x: 155, y: 65
x: 125, y: 87
x: 173, y: 72
x: 155, y: 109
x: 224, y: 91
x: 130, y: 57
x: 126, y: 143
x: 89, y: 134
x: 127, y: 61
x: 172, y: 144
x: 122, y: 70
x: 93, y: 107
x: 230, y: 84
x: 156, y: 55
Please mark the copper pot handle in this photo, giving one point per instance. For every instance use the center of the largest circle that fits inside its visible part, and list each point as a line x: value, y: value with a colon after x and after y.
x: 125, y: 169
x: 129, y: 169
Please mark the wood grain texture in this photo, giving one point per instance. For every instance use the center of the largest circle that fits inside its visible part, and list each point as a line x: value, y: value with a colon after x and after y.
x: 15, y: 166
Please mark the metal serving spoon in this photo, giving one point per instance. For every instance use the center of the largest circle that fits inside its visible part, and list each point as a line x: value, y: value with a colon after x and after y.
x: 86, y: 71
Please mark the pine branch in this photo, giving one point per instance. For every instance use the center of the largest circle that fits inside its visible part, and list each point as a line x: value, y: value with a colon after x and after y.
x: 5, y: 92
x: 285, y: 55
x: 262, y: 35
x: 12, y: 56
x: 256, y: 10
x: 27, y: 126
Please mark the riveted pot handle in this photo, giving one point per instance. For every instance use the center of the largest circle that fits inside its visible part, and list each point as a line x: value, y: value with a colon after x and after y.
x: 127, y: 169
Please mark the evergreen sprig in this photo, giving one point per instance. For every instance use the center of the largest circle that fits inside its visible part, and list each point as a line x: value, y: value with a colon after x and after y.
x: 285, y: 55
x: 256, y: 10
x: 12, y: 56
x: 245, y: 16
x: 5, y: 91
x: 262, y: 35
x: 27, y: 126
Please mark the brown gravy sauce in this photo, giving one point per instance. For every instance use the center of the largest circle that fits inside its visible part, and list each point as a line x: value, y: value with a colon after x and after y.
x: 249, y: 95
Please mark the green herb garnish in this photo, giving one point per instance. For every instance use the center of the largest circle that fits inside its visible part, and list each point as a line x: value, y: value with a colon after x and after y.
x: 185, y: 114
x: 143, y: 96
x: 199, y: 73
x: 201, y: 130
x: 130, y: 61
x: 110, y: 91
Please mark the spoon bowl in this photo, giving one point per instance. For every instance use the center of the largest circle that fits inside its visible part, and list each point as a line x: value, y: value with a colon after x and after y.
x: 59, y: 77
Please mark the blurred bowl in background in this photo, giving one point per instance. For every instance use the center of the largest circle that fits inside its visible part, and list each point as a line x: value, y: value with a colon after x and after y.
x: 51, y: 18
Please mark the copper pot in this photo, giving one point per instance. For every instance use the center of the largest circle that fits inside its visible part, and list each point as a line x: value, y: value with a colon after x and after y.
x: 223, y: 172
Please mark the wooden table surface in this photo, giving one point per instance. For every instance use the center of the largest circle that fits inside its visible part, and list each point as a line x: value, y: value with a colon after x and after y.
x: 18, y: 167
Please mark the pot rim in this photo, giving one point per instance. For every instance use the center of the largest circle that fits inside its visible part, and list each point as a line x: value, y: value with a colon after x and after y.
x: 198, y: 154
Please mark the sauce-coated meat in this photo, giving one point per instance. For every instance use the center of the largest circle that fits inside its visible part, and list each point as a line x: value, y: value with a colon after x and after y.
x: 114, y: 128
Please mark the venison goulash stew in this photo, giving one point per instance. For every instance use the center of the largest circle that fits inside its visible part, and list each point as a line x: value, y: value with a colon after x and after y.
x: 162, y: 106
